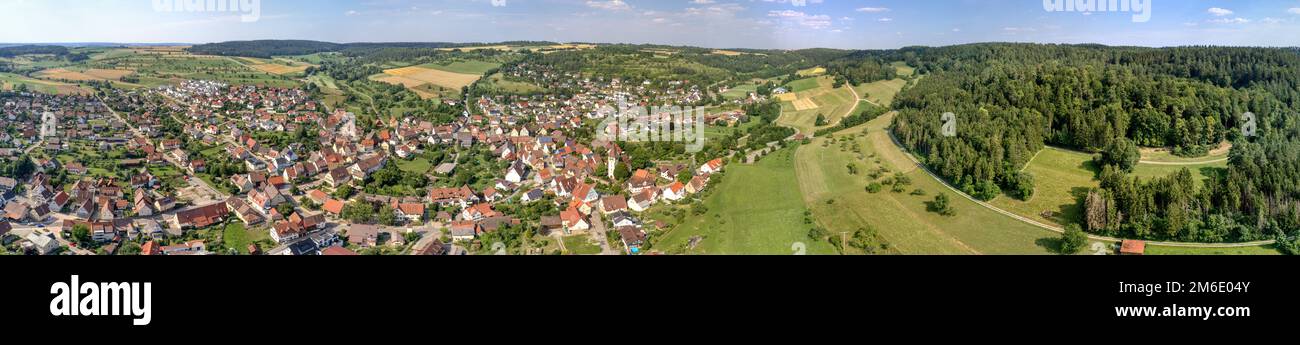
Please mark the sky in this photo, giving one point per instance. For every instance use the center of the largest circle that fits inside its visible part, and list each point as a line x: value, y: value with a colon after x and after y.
x: 778, y: 24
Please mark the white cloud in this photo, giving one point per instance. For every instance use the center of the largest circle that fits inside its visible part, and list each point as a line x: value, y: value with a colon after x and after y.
x: 1293, y: 10
x: 885, y: 19
x: 1237, y: 20
x: 873, y: 9
x: 703, y: 2
x: 1219, y: 12
x: 819, y: 21
x: 610, y: 5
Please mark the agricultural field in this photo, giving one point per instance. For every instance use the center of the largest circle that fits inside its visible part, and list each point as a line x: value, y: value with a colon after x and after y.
x: 1158, y: 156
x: 903, y: 69
x: 427, y: 82
x: 92, y: 74
x: 799, y: 110
x: 1061, y: 179
x: 812, y: 72
x: 804, y: 84
x: 464, y: 67
x: 155, y: 66
x: 12, y: 81
x: 274, y: 66
x: 738, y: 223
x: 840, y: 202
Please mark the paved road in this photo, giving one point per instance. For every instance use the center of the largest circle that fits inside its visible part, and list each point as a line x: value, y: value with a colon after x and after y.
x: 600, y: 233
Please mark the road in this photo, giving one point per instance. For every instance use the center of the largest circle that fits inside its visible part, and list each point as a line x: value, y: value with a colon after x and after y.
x: 600, y: 233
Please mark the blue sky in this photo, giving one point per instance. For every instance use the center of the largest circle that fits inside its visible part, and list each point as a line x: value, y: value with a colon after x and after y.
x: 860, y: 24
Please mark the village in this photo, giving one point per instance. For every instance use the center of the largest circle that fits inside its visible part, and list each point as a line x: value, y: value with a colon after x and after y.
x: 207, y: 168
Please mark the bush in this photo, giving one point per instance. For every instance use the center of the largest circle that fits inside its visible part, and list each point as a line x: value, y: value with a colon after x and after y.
x: 874, y: 188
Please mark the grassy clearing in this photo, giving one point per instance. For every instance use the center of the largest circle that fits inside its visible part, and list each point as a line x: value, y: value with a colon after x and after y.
x: 12, y: 81
x: 881, y: 92
x: 1200, y: 172
x: 500, y: 83
x: 903, y: 69
x: 1061, y: 179
x: 1256, y: 250
x: 902, y: 219
x: 756, y: 209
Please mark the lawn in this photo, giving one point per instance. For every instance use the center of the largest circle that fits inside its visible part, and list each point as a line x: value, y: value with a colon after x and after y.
x: 902, y: 219
x: 755, y: 210
x: 237, y: 237
x: 1256, y: 250
x: 1061, y: 179
x: 581, y: 245
x: 501, y: 84
x: 415, y: 165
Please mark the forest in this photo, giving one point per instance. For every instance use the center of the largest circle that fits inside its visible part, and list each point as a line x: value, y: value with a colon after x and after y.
x: 1013, y: 99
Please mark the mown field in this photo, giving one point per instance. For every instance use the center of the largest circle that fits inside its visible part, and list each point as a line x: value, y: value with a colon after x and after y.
x: 840, y: 202
x: 881, y: 92
x: 755, y: 210
x: 464, y: 67
x: 829, y: 102
x: 1061, y: 179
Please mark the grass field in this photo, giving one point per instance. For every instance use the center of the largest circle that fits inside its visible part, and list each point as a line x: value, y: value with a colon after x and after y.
x: 1256, y: 250
x: 740, y: 91
x: 902, y: 219
x: 1200, y: 172
x: 237, y: 237
x: 812, y: 72
x: 500, y: 83
x: 580, y: 245
x: 1061, y: 179
x: 1166, y: 156
x: 417, y: 165
x: 881, y: 92
x: 11, y: 81
x: 755, y: 210
x: 804, y: 84
x: 464, y: 67
x: 800, y: 110
x: 903, y: 69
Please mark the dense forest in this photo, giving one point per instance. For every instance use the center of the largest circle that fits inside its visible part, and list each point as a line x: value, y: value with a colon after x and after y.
x: 1012, y: 99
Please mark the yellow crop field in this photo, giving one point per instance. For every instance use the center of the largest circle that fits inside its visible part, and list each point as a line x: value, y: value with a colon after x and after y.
x: 805, y: 104
x: 409, y: 75
x: 787, y: 97
x: 93, y: 74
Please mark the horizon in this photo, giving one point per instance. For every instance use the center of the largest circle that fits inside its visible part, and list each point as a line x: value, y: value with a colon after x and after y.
x: 747, y: 24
